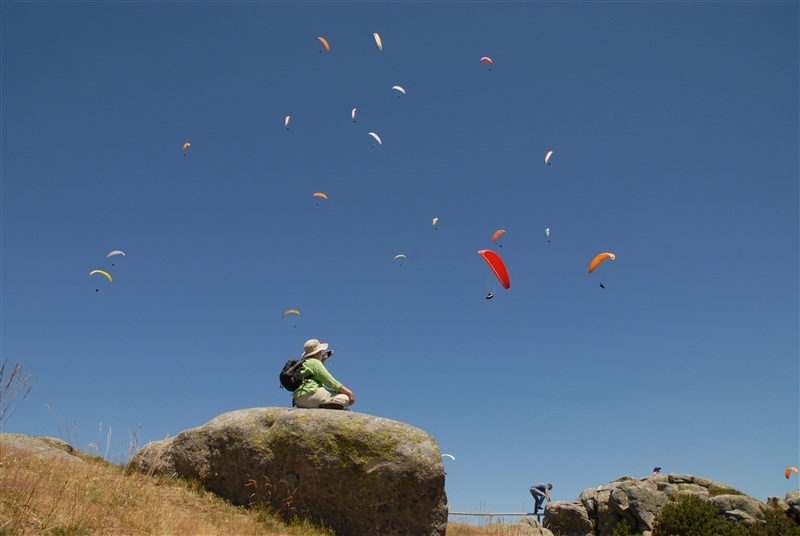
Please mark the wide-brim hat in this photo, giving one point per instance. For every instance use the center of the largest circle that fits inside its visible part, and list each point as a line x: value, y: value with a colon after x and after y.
x: 313, y: 346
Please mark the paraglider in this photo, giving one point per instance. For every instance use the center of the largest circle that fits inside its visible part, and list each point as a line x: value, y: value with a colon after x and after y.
x: 376, y: 138
x: 353, y: 115
x: 547, y: 157
x: 489, y: 296
x: 497, y: 234
x: 290, y: 312
x: 400, y: 89
x: 186, y: 146
x: 115, y: 252
x: 600, y: 258
x: 449, y: 456
x: 789, y: 471
x: 101, y: 272
x: 487, y: 60
x: 399, y: 256
x: 378, y: 40
x: 324, y: 43
x: 320, y: 195
x: 498, y: 267
x: 547, y: 233
x: 434, y: 222
x: 286, y: 121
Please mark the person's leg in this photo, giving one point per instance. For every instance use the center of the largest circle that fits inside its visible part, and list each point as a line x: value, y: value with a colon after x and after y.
x: 321, y: 396
x: 538, y: 497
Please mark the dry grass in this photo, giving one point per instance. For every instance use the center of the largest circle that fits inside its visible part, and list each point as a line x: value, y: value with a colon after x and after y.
x: 50, y: 496
x: 47, y: 496
x: 492, y: 529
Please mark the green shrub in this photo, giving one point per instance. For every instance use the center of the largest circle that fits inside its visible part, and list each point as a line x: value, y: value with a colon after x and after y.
x: 622, y: 529
x: 690, y: 516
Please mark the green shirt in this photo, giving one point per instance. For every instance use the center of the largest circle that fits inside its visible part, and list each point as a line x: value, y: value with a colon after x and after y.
x: 316, y: 376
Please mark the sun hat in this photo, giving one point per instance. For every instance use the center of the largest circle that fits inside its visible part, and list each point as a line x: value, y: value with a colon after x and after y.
x: 313, y: 346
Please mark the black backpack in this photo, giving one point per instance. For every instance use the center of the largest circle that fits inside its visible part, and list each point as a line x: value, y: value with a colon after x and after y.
x: 291, y: 378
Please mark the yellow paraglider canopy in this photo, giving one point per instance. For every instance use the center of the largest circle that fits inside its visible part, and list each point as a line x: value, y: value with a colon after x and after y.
x: 102, y: 273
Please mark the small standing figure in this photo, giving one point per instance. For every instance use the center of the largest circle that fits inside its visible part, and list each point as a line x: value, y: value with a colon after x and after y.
x: 540, y: 492
x: 656, y: 471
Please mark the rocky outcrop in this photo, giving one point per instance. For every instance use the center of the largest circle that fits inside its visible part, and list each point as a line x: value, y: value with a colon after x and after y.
x: 637, y: 502
x: 359, y: 474
x: 45, y: 447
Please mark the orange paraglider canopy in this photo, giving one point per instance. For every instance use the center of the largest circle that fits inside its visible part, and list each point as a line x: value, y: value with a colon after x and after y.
x: 790, y: 470
x: 497, y: 265
x: 497, y: 234
x: 600, y: 258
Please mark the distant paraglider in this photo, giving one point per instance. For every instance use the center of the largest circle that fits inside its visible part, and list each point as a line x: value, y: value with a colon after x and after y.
x: 378, y: 41
x: 487, y: 60
x: 449, y: 456
x: 290, y: 312
x: 498, y: 267
x: 186, y: 146
x: 353, y: 115
x: 101, y: 272
x: 377, y: 139
x: 434, y: 222
x: 600, y: 258
x: 789, y: 471
x: 547, y: 233
x: 324, y: 43
x: 286, y: 121
x: 320, y: 195
x: 547, y: 157
x: 497, y: 235
x: 114, y: 253
x: 400, y: 89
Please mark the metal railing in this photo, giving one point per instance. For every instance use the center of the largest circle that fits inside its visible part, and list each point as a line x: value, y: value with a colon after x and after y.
x: 492, y: 514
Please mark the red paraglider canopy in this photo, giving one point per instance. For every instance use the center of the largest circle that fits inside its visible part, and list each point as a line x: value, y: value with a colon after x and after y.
x: 497, y: 265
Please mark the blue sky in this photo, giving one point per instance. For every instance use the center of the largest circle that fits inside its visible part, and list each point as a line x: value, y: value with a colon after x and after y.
x: 674, y: 127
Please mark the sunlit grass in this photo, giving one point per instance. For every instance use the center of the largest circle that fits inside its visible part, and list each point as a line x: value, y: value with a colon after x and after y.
x: 52, y: 496
x: 49, y: 496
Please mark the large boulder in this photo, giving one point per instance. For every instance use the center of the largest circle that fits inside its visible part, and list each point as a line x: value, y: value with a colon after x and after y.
x: 358, y: 474
x: 561, y: 517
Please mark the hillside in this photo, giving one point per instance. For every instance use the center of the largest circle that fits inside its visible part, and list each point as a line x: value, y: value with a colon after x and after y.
x: 57, y: 495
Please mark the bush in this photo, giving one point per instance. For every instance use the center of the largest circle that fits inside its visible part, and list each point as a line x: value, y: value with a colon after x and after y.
x: 692, y: 516
x: 689, y: 516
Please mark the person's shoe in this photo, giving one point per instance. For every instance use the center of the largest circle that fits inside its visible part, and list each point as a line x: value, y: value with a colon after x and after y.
x: 331, y: 405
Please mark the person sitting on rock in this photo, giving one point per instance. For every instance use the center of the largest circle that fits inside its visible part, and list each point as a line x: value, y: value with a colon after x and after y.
x: 540, y: 492
x: 319, y: 389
